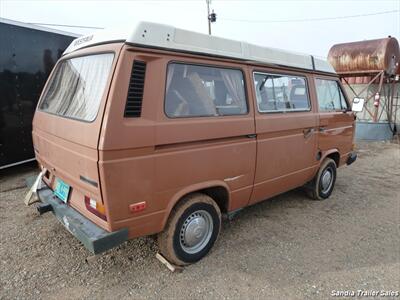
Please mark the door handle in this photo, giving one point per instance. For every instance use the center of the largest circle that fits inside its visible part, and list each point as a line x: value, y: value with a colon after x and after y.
x: 308, y: 132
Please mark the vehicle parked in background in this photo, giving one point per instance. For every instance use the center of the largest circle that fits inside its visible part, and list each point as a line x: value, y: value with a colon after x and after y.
x: 27, y: 56
x: 162, y: 130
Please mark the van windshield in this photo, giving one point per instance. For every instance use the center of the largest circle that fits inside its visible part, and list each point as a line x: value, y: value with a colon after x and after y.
x: 76, y: 87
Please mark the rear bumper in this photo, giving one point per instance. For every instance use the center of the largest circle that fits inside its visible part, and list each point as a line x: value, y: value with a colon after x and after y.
x: 94, y: 238
x: 351, y: 158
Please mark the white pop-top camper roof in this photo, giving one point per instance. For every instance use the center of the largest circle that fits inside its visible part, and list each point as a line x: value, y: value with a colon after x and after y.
x: 155, y: 35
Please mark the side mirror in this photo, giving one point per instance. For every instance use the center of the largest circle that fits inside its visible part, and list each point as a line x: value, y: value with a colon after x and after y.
x: 358, y: 104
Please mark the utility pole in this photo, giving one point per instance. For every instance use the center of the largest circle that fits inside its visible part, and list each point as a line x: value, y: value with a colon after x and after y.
x: 211, y: 17
x: 208, y: 16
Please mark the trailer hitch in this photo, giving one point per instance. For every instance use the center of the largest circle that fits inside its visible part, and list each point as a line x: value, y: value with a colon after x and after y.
x: 44, y: 208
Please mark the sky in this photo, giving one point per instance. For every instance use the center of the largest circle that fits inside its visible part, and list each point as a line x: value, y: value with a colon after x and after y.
x: 285, y: 24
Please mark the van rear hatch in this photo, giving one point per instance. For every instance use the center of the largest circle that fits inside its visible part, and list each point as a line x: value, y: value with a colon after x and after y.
x: 66, y: 130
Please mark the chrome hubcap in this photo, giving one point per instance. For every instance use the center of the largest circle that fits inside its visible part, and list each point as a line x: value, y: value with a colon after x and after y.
x: 196, y: 231
x: 326, y: 180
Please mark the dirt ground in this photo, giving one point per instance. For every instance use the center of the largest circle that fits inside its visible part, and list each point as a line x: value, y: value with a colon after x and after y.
x: 287, y: 247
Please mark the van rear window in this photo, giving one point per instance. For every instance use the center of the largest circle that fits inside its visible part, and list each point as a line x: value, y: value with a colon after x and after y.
x: 76, y: 87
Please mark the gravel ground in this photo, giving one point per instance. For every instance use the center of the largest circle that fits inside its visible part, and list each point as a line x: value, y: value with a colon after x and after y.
x: 285, y: 248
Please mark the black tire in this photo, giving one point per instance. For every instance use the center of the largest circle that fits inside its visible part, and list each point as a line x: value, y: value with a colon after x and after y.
x: 316, y: 189
x: 171, y: 241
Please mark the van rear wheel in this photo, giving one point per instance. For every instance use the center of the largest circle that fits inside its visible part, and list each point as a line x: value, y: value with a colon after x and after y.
x: 321, y: 187
x: 191, y: 230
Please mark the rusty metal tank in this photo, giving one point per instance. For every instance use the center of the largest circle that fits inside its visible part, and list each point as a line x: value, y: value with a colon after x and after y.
x: 398, y: 67
x: 365, y: 57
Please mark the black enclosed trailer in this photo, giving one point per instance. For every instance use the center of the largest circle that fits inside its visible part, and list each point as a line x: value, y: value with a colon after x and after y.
x: 27, y: 56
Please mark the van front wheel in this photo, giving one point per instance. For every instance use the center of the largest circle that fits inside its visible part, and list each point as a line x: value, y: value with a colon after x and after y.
x: 321, y: 187
x: 191, y: 231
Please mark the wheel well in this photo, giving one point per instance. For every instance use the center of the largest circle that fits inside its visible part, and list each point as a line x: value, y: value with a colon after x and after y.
x: 336, y: 157
x: 219, y: 194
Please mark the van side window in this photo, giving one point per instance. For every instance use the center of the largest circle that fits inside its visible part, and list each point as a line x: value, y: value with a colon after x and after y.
x: 330, y: 96
x: 281, y: 93
x: 197, y: 91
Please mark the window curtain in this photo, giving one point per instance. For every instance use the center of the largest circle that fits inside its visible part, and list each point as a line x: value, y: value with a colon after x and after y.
x: 234, y: 83
x: 77, y: 87
x: 170, y: 75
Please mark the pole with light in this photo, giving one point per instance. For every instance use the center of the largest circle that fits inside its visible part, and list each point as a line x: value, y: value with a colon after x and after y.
x: 211, y: 17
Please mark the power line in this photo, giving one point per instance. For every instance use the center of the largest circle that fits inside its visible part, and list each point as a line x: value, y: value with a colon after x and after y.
x: 252, y: 21
x: 64, y: 25
x: 311, y: 19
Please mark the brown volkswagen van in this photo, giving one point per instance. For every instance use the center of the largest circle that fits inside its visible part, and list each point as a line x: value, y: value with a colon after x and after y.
x: 162, y: 130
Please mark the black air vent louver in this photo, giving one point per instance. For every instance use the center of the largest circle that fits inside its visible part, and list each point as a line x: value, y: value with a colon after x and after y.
x: 133, y: 107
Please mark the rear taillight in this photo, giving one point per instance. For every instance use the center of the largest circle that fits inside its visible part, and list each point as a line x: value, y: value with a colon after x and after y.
x: 95, y: 207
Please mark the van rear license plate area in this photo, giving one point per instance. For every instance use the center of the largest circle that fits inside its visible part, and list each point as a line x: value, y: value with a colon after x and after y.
x: 61, y: 190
